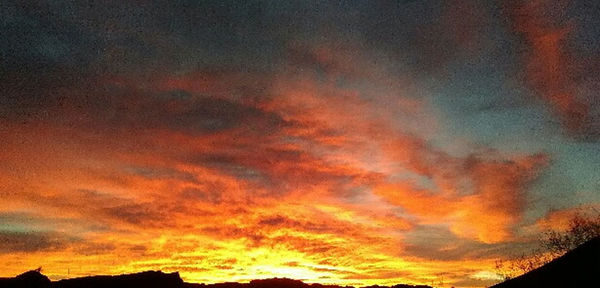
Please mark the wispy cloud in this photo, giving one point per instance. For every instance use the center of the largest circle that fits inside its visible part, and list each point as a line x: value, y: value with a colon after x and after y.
x: 552, y: 67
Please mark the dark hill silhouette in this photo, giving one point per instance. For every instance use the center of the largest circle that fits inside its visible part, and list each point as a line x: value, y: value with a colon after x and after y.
x: 578, y: 268
x: 148, y: 279
x: 399, y: 286
x: 156, y: 279
x: 277, y: 282
x: 29, y: 279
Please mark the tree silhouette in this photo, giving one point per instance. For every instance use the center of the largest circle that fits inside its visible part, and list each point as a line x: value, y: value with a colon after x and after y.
x: 581, y: 230
x: 583, y: 227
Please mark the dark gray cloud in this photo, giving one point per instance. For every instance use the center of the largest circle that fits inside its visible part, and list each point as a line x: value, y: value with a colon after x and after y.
x: 211, y: 194
x: 54, y: 53
x: 104, y: 209
x: 133, y: 109
x: 162, y: 173
x: 134, y: 213
x: 33, y: 241
x: 443, y: 245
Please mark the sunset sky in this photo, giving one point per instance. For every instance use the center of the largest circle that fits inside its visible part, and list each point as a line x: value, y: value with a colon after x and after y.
x: 346, y: 142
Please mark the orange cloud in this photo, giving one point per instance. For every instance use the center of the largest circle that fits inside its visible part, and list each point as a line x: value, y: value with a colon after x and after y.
x: 560, y: 219
x: 487, y: 210
x: 186, y: 175
x: 482, y: 196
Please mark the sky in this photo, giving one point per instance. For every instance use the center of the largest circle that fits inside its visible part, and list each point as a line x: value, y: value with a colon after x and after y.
x: 347, y: 142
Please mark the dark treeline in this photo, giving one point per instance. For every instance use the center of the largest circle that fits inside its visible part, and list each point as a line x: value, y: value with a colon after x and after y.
x: 579, y: 267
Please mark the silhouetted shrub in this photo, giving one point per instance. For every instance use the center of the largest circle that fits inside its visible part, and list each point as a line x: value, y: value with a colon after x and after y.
x: 583, y: 227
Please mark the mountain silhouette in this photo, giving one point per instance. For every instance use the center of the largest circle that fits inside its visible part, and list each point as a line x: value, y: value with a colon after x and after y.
x: 579, y: 267
x: 157, y: 279
x: 148, y: 279
x: 29, y: 279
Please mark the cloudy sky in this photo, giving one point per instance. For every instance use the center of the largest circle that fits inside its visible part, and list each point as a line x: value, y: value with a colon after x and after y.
x: 346, y: 142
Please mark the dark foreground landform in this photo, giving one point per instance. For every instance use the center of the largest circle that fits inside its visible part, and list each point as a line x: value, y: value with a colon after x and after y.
x: 578, y: 268
x: 157, y: 279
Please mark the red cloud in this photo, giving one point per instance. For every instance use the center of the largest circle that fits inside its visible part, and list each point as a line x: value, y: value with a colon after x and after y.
x: 551, y: 69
